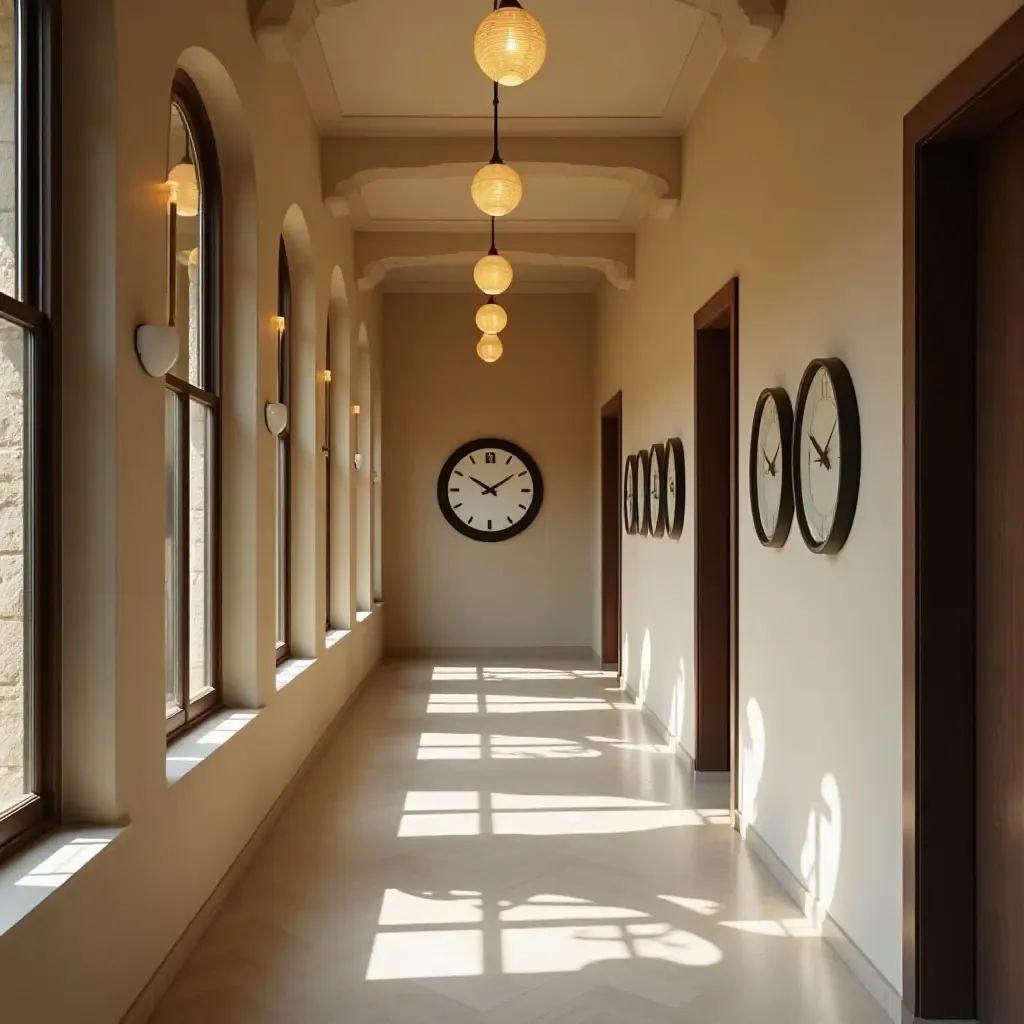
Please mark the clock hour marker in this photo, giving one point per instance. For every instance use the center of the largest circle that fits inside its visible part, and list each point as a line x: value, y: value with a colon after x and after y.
x: 470, y: 519
x: 489, y: 527
x: 523, y: 473
x: 457, y: 506
x: 526, y: 490
x: 509, y: 518
x: 457, y: 473
x: 453, y: 488
x: 471, y: 459
x: 508, y: 460
x: 521, y: 505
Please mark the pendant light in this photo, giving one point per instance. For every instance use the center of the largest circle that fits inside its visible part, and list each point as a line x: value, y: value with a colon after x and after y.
x: 510, y: 45
x: 489, y: 348
x: 497, y: 189
x: 184, y: 177
x: 493, y: 273
x: 491, y: 318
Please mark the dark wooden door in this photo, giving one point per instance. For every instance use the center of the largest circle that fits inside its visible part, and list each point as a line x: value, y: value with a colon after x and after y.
x: 611, y: 531
x: 1000, y: 577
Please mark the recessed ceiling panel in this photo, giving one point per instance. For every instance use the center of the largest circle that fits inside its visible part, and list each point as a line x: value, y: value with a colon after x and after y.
x: 544, y: 198
x: 606, y: 58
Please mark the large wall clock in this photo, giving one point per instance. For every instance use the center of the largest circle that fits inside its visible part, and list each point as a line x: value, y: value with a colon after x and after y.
x: 630, y: 504
x: 675, y: 488
x: 643, y: 491
x: 490, y: 489
x: 771, y: 467
x: 826, y: 455
x: 657, y: 497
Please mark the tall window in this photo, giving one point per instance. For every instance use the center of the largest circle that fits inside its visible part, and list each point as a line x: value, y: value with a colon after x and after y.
x: 29, y: 476
x: 192, y: 408
x: 284, y: 462
x: 327, y: 475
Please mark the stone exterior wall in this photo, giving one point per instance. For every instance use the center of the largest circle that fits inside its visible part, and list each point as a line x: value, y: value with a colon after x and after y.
x: 12, y: 494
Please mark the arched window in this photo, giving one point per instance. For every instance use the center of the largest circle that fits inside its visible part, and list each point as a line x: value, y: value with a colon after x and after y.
x: 29, y: 463
x: 328, y: 374
x: 192, y: 408
x: 284, y: 467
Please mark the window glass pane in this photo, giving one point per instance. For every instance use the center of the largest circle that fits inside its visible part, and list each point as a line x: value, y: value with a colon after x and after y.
x: 172, y: 554
x: 9, y: 59
x: 15, y: 688
x: 281, y: 545
x: 201, y: 549
x: 184, y: 172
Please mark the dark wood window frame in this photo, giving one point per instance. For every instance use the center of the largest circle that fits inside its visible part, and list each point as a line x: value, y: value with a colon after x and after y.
x: 37, y: 313
x: 185, y: 96
x: 284, y: 455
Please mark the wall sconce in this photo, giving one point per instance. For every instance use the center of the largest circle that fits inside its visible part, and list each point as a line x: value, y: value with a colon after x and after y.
x: 157, y: 347
x: 276, y: 415
x: 327, y: 376
x: 279, y: 326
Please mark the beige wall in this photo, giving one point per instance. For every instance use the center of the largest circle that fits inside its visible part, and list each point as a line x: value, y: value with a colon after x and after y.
x: 793, y: 180
x: 445, y: 590
x: 178, y: 840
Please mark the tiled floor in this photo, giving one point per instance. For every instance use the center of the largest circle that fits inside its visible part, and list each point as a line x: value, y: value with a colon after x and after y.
x: 507, y: 845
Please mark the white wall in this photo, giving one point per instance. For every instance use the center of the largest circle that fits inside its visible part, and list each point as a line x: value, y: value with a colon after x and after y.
x: 445, y: 590
x: 793, y: 181
x: 110, y: 926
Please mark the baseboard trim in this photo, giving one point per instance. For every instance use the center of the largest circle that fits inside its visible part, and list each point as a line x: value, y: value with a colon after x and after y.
x: 848, y: 951
x: 146, y: 1002
x: 683, y: 756
x: 580, y: 654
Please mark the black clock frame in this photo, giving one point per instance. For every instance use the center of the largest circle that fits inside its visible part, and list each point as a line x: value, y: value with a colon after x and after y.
x: 630, y: 510
x: 490, y: 536
x: 675, y: 518
x: 785, y: 521
x: 849, y: 463
x: 644, y: 492
x: 657, y: 455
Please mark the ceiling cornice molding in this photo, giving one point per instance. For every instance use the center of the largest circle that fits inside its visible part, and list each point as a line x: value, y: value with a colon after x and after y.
x: 652, y: 166
x: 377, y: 253
x: 747, y: 25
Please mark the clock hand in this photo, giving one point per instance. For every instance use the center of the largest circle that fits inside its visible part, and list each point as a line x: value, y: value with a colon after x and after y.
x: 822, y: 458
x: 828, y: 443
x: 775, y: 457
x: 487, y: 490
x: 768, y: 462
x: 494, y: 489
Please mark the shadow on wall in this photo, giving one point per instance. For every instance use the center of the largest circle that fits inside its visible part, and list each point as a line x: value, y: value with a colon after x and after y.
x: 820, y: 857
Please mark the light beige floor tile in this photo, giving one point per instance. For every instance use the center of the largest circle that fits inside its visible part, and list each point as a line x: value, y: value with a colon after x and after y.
x: 503, y: 845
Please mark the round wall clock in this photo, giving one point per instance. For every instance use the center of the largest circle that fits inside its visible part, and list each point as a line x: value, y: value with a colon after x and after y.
x: 826, y: 455
x: 490, y: 489
x: 657, y: 498
x: 771, y: 467
x: 630, y: 507
x: 643, y: 491
x: 675, y: 488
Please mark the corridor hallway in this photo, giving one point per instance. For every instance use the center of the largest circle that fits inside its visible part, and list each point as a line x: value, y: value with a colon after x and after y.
x: 504, y: 845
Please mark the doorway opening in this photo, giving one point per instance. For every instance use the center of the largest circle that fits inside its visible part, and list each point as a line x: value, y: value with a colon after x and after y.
x: 715, y: 355
x: 963, y: 540
x: 611, y: 533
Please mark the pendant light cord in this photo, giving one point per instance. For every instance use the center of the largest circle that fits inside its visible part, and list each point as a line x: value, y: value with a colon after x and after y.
x: 494, y: 248
x: 496, y: 158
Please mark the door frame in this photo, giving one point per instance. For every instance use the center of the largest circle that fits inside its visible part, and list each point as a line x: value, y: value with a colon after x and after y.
x: 719, y: 315
x: 941, y: 138
x: 611, y: 521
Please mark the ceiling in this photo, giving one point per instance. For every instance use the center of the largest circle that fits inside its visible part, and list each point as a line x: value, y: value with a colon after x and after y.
x: 596, y: 136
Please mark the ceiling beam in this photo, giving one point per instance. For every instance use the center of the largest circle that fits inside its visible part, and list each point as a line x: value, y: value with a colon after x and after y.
x: 652, y: 166
x: 377, y: 253
x: 747, y: 25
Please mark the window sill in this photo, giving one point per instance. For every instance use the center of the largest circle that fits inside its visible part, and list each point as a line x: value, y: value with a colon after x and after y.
x: 30, y: 876
x: 335, y: 636
x: 363, y: 616
x: 195, y: 746
x: 290, y: 670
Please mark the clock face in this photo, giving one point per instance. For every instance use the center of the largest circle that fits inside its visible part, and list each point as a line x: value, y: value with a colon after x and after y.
x: 771, y: 484
x: 490, y: 489
x: 629, y: 495
x: 675, y: 488
x: 827, y: 455
x: 643, y: 492
x: 657, y: 498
